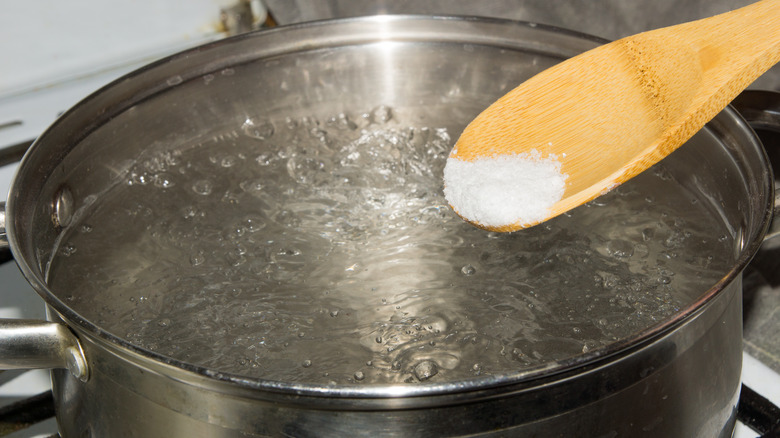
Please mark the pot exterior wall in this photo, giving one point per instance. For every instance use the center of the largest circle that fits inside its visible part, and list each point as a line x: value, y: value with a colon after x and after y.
x: 685, y: 384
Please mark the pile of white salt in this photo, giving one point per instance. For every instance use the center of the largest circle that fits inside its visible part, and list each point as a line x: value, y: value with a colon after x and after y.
x: 504, y: 189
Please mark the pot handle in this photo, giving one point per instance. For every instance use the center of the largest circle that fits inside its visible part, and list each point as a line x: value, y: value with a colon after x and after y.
x: 761, y: 109
x: 28, y: 344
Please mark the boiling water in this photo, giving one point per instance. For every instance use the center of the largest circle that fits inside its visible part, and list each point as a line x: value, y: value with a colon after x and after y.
x: 322, y: 251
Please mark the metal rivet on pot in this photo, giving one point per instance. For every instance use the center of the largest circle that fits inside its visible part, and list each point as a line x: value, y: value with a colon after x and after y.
x: 77, y: 364
x: 62, y: 207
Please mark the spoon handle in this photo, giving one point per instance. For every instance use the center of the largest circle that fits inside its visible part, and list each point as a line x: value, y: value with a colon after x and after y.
x: 733, y: 50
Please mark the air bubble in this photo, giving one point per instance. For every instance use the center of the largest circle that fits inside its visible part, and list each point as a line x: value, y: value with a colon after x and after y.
x: 620, y: 248
x: 202, y: 187
x: 258, y: 128
x: 189, y: 212
x: 68, y: 250
x: 382, y: 114
x: 425, y: 370
x: 342, y: 121
x: 264, y: 159
x: 251, y: 186
x: 141, y: 179
x: 252, y: 224
x: 229, y: 161
x: 468, y: 270
x: 197, y: 258
x: 319, y: 133
x: 163, y: 181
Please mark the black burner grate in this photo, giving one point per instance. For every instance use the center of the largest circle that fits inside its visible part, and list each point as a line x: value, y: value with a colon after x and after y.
x: 25, y: 413
x: 758, y: 413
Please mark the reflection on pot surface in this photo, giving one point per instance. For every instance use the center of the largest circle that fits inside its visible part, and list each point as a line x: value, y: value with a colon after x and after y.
x: 320, y: 250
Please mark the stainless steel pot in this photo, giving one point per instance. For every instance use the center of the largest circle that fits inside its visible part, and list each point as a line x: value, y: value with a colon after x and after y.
x: 678, y: 379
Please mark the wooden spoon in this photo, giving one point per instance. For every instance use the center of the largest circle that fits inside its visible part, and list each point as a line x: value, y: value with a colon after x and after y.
x: 612, y: 112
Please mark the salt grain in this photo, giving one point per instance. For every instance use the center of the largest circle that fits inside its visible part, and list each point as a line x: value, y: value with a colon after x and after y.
x: 504, y: 189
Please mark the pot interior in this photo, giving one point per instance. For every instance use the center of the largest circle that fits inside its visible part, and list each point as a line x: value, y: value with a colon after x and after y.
x: 271, y: 207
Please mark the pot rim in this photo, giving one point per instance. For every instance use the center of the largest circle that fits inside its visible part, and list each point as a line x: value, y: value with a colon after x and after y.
x: 166, y: 364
